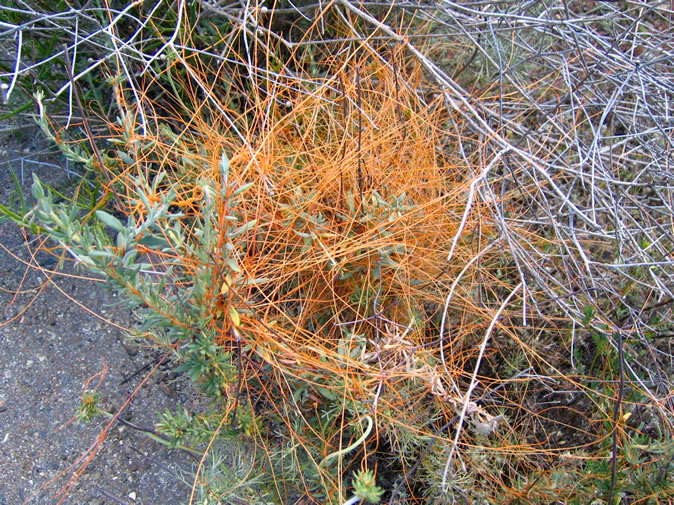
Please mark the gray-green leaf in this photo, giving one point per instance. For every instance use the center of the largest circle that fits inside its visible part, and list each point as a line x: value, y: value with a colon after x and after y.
x: 109, y: 220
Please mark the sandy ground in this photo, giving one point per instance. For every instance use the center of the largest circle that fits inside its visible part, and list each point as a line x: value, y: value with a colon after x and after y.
x: 51, y: 344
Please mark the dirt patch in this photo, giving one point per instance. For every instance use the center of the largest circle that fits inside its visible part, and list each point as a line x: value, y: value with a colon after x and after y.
x: 54, y: 336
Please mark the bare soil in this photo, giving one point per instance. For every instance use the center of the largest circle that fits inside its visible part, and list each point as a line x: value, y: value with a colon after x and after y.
x: 55, y: 335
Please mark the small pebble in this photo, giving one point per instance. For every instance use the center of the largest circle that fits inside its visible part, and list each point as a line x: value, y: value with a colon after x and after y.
x: 132, y: 495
